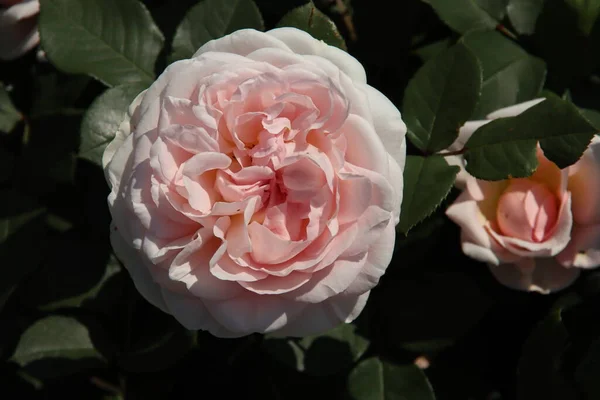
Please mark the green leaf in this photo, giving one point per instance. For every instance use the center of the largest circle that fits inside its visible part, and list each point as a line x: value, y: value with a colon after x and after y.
x: 539, y: 371
x: 49, y: 156
x: 592, y: 116
x: 114, y: 41
x: 510, y: 75
x: 466, y: 15
x: 9, y: 115
x: 56, y: 92
x: 375, y: 379
x: 212, y: 19
x: 62, y: 283
x: 21, y: 222
x: 320, y: 355
x: 56, y: 346
x: 523, y: 14
x: 427, y: 181
x: 587, y: 13
x: 428, y: 51
x: 506, y: 147
x: 567, y: 50
x: 154, y: 347
x: 441, y: 97
x: 102, y: 119
x: 588, y: 370
x: 309, y: 19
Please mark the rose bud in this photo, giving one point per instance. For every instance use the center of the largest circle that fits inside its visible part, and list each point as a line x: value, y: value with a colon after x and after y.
x: 535, y: 233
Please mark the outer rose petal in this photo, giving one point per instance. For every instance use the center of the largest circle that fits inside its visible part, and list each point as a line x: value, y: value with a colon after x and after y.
x: 514, y: 110
x: 475, y: 240
x: 301, y: 42
x: 320, y: 317
x: 18, y: 30
x: 242, y: 42
x: 193, y: 314
x: 123, y: 131
x: 584, y: 184
x: 388, y: 124
x: 583, y: 251
x: 543, y: 275
x: 140, y: 274
x: 254, y: 312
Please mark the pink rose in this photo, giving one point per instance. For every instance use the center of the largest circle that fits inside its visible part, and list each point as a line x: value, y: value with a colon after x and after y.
x: 535, y: 233
x: 18, y: 27
x: 256, y: 186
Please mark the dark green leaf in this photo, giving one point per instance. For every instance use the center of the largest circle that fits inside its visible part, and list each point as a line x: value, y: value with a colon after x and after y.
x: 61, y: 282
x: 154, y: 347
x: 375, y: 379
x: 320, y: 355
x: 309, y: 19
x: 115, y: 41
x: 427, y: 52
x: 103, y: 118
x: 587, y: 13
x: 212, y: 19
x: 523, y: 14
x: 49, y: 156
x: 56, y: 346
x: 21, y: 223
x: 510, y: 75
x: 592, y: 116
x: 588, y: 370
x: 441, y: 97
x: 466, y: 15
x: 9, y: 116
x: 56, y: 92
x: 427, y: 181
x: 507, y: 147
x: 569, y: 51
x: 539, y: 373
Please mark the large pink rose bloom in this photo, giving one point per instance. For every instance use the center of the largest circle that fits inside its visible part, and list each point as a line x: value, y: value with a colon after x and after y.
x: 535, y: 233
x: 256, y: 186
x: 18, y: 27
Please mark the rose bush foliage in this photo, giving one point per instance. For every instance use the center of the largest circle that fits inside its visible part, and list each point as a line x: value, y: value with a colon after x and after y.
x: 268, y: 225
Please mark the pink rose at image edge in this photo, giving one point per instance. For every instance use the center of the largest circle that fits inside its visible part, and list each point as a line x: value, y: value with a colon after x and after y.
x: 18, y: 27
x: 535, y: 233
x: 256, y: 187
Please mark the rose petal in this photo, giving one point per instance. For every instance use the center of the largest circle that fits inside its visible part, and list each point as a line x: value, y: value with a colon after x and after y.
x: 543, y: 275
x: 583, y: 251
x: 302, y: 43
x: 514, y: 110
x: 254, y: 313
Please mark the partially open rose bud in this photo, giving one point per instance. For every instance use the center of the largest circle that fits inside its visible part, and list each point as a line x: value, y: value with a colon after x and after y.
x: 537, y: 232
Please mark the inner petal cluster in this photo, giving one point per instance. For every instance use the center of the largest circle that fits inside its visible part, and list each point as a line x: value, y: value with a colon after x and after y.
x: 254, y: 183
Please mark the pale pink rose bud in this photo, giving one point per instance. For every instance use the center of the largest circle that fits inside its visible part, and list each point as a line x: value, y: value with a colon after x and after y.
x: 527, y: 210
x: 256, y: 186
x: 18, y: 27
x: 535, y: 233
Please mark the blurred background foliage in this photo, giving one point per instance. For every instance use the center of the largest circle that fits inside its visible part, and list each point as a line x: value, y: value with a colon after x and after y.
x: 437, y: 326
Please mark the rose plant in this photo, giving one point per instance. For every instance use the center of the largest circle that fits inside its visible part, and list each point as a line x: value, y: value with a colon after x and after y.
x: 346, y: 199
